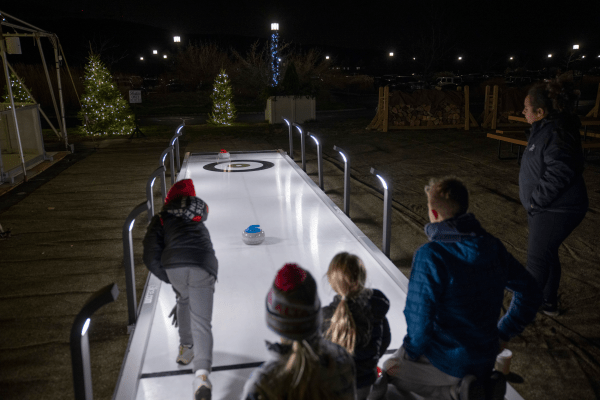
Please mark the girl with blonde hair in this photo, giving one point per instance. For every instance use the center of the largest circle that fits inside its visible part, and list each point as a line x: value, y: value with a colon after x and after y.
x: 356, y: 318
x: 304, y: 366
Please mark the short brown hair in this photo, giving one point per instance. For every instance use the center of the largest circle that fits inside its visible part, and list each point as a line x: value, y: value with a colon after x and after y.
x: 448, y: 196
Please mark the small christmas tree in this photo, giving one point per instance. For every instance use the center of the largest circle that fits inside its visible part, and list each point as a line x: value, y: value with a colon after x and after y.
x: 18, y: 92
x: 224, y: 111
x: 103, y: 109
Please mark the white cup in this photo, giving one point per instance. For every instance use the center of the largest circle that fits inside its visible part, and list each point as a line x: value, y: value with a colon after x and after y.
x: 503, y: 361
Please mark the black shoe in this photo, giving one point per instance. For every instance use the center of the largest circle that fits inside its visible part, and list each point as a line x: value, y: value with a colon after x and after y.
x: 471, y: 389
x: 550, y: 309
x: 495, y: 389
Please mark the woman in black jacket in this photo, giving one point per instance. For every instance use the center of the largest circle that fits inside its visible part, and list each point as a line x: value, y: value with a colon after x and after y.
x: 356, y: 319
x: 551, y: 185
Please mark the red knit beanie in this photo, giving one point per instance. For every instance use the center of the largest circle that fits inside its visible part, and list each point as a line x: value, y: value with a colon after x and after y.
x: 293, y: 306
x: 180, y: 189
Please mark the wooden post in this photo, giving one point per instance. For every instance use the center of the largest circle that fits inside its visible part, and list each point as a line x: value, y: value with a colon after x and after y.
x: 594, y: 111
x: 495, y: 108
x: 486, y: 106
x: 386, y: 102
x: 467, y: 112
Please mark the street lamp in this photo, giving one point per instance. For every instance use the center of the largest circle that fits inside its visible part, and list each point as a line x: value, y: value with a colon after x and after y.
x: 459, y: 58
x: 327, y: 57
x: 346, y: 180
x: 177, y: 39
x: 154, y: 51
x: 387, y: 211
x: 549, y: 55
x: 319, y: 159
x: 575, y: 47
x: 391, y: 54
x: 164, y: 56
x: 511, y: 58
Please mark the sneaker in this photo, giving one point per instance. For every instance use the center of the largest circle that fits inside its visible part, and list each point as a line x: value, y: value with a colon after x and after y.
x: 495, y: 389
x: 202, y: 388
x: 186, y: 355
x: 470, y: 389
x: 550, y: 309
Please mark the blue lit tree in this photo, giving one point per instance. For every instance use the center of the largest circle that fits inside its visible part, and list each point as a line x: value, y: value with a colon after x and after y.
x: 224, y: 111
x: 274, y: 49
x: 103, y: 109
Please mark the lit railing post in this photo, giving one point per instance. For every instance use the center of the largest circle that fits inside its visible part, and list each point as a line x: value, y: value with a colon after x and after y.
x: 387, y: 211
x: 319, y: 159
x: 163, y: 156
x: 130, y: 264
x: 346, y: 180
x: 289, y: 124
x: 80, y: 344
x: 302, y: 145
x: 158, y: 173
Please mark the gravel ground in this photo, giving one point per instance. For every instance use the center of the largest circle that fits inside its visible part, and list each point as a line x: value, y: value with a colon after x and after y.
x: 66, y: 244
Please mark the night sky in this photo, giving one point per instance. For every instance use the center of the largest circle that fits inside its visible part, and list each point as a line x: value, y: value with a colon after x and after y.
x: 471, y: 28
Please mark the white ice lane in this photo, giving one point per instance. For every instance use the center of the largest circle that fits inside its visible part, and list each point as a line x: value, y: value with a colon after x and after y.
x: 302, y: 225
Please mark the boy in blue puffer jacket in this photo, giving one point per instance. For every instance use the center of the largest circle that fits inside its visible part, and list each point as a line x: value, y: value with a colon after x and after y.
x: 455, y: 294
x: 178, y: 250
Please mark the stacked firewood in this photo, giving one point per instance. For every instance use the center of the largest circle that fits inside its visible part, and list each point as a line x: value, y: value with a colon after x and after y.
x: 445, y: 113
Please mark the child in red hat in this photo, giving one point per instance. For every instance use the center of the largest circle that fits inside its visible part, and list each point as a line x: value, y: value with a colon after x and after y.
x: 178, y: 250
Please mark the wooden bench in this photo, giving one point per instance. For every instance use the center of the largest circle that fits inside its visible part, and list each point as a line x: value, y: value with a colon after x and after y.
x: 519, y: 138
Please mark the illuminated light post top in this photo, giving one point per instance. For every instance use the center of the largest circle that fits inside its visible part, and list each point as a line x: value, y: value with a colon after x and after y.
x: 391, y: 54
x: 414, y: 58
x: 275, y: 26
x: 164, y: 56
x: 177, y: 39
x: 460, y: 58
x: 142, y: 58
x: 511, y: 58
x: 327, y: 57
x: 575, y: 47
x: 154, y: 51
x: 549, y: 55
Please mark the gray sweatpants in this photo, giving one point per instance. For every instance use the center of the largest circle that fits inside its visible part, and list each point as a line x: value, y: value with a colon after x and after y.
x: 421, y: 377
x: 196, y: 288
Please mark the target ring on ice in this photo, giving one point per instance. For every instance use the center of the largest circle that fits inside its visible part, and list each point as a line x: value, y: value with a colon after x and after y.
x: 239, y: 166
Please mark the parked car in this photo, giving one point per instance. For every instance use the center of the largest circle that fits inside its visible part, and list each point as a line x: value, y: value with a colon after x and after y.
x: 449, y: 80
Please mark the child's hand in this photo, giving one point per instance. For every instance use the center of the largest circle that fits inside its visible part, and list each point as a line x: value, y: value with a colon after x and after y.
x: 173, y: 315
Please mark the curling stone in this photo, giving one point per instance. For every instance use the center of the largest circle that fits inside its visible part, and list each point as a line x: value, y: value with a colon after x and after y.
x: 223, y: 156
x: 253, y: 235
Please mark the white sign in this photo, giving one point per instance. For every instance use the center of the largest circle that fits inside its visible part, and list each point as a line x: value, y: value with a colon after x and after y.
x: 135, y: 96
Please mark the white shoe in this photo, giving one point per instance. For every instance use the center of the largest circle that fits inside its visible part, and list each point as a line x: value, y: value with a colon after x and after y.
x: 186, y: 355
x: 202, y: 388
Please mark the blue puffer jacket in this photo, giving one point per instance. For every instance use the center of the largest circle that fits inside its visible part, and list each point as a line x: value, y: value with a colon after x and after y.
x: 455, y: 294
x: 551, y: 178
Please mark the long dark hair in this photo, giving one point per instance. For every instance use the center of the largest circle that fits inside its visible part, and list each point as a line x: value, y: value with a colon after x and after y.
x: 554, y: 96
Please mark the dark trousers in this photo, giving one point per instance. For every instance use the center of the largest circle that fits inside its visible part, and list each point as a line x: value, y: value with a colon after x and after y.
x: 547, y: 230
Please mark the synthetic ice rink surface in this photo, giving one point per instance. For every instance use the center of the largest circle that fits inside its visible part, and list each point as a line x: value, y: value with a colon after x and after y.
x: 301, y: 224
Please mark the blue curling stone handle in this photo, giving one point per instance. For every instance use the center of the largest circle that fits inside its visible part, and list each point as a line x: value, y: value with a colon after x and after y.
x: 253, y: 229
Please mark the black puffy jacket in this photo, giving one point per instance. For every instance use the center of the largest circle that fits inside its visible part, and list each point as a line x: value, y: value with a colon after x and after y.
x: 551, y: 177
x: 373, y: 331
x: 173, y: 239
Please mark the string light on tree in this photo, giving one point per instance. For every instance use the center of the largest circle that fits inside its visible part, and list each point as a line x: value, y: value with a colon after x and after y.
x: 18, y: 91
x: 103, y: 109
x: 275, y: 60
x: 224, y: 111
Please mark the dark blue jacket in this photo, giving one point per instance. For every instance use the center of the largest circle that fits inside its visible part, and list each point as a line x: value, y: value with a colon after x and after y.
x: 455, y: 294
x: 551, y: 177
x: 173, y: 239
x: 373, y: 331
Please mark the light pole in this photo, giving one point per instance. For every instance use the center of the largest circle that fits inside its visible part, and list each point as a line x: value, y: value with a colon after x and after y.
x: 387, y: 211
x: 302, y: 145
x: 319, y: 159
x: 346, y: 180
x: 80, y: 343
x: 290, y: 128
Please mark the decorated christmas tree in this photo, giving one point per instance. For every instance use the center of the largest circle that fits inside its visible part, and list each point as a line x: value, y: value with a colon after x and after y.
x: 224, y: 111
x: 18, y: 92
x: 103, y: 109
